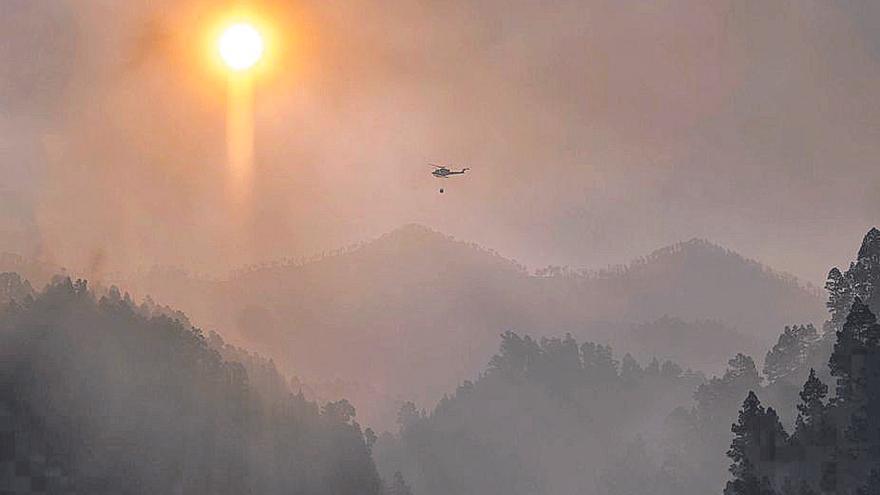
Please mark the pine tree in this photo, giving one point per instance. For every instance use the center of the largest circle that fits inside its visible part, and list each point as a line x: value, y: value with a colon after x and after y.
x: 859, y: 281
x: 865, y: 274
x: 745, y: 448
x: 840, y: 298
x: 776, y: 436
x: 813, y: 426
x: 851, y: 342
x: 854, y: 362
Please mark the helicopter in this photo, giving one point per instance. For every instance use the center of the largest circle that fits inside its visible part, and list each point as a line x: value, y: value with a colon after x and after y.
x: 443, y: 172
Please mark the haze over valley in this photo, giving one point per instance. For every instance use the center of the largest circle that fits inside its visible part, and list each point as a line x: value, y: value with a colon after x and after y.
x: 439, y: 247
x: 434, y: 307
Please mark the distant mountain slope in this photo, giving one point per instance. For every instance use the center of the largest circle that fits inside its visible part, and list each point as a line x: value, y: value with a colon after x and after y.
x: 414, y: 312
x: 692, y: 280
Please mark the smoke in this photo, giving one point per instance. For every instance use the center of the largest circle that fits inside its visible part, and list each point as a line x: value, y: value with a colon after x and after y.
x: 596, y: 130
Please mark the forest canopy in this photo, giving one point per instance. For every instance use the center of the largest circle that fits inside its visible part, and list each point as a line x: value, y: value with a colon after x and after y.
x: 103, y: 396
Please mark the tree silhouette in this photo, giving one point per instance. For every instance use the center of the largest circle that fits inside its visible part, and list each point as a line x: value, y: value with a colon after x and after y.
x: 813, y: 425
x: 746, y: 443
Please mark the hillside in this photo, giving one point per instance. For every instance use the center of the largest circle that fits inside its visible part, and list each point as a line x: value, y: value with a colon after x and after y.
x: 549, y: 417
x: 432, y: 307
x: 102, y: 396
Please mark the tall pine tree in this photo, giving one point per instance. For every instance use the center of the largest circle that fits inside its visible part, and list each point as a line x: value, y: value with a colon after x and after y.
x: 813, y: 426
x: 745, y: 448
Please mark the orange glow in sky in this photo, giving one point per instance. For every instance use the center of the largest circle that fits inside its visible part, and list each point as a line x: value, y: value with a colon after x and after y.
x: 241, y: 46
x: 241, y: 42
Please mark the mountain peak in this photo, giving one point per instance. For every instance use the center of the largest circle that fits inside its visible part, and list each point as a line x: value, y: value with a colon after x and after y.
x: 700, y: 243
x: 413, y: 234
x: 431, y: 244
x: 414, y: 229
x: 870, y: 245
x: 692, y: 246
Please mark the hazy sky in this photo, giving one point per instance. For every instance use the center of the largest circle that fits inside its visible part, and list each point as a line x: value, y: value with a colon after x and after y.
x: 596, y: 130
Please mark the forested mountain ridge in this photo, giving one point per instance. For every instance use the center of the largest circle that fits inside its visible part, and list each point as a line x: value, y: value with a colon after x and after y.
x: 665, y: 438
x: 102, y: 396
x: 433, y: 307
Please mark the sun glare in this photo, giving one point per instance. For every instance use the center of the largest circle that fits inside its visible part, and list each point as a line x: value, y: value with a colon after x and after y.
x: 241, y: 46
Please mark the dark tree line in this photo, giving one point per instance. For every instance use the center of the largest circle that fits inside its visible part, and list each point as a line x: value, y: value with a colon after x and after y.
x: 835, y: 443
x: 836, y: 440
x: 102, y: 396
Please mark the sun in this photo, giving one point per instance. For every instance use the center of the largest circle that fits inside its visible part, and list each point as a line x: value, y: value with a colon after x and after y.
x: 241, y: 46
